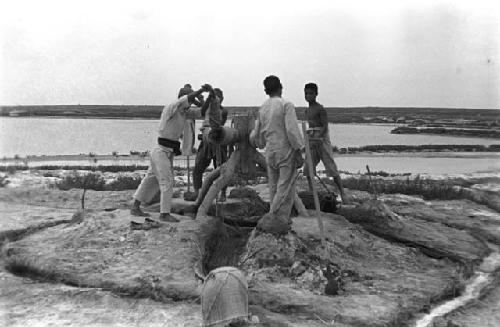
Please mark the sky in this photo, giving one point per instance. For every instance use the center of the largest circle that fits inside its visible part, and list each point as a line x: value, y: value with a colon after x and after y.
x: 361, y: 53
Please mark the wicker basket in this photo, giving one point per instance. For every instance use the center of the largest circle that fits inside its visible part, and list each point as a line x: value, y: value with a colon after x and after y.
x: 224, y: 298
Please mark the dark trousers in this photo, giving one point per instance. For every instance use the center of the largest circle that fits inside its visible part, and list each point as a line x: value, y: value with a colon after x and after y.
x: 206, y: 153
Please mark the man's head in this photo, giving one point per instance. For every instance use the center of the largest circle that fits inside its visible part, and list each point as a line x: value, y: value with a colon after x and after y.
x: 272, y: 85
x: 311, y: 92
x: 218, y: 92
x: 185, y: 90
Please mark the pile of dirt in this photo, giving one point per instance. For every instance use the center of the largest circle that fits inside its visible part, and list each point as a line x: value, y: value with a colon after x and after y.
x: 434, y: 239
x: 478, y: 220
x: 101, y: 251
x: 375, y: 282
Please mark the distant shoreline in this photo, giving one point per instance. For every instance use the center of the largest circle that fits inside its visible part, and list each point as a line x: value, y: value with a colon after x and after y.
x: 125, y: 157
x: 493, y: 133
x: 429, y: 150
x: 400, y: 115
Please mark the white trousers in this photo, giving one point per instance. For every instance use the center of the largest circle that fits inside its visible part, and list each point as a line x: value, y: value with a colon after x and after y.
x: 159, y: 177
x: 282, y: 174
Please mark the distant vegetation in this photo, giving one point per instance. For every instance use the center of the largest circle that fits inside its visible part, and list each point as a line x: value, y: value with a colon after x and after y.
x: 96, y: 181
x: 490, y: 133
x: 111, y: 169
x: 337, y: 115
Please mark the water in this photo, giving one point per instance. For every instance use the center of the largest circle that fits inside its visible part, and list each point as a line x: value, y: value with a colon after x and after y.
x: 419, y: 165
x: 51, y: 136
x: 482, y: 278
x: 55, y: 136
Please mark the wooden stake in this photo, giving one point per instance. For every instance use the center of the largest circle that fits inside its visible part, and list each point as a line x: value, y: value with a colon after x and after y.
x: 371, y: 182
x: 188, y: 178
x: 313, y: 184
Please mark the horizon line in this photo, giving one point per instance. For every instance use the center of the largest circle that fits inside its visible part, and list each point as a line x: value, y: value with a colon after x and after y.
x: 245, y: 106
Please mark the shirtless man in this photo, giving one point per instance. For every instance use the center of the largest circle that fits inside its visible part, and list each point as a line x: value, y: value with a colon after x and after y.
x: 319, y: 138
x: 208, y: 152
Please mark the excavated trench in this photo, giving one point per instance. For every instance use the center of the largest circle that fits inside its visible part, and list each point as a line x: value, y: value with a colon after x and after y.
x: 224, y: 247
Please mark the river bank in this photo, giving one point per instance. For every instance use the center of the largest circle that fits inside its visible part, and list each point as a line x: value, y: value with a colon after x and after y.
x: 142, y: 158
x: 400, y: 150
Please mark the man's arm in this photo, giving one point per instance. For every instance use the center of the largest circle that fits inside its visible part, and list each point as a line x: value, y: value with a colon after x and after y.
x: 224, y: 115
x: 184, y: 102
x: 254, y: 138
x: 199, y: 101
x: 292, y: 127
x: 193, y: 95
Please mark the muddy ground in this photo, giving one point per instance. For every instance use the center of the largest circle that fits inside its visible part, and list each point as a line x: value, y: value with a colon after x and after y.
x: 62, y: 267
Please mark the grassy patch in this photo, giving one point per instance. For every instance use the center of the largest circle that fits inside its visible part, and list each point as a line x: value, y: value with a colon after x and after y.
x: 122, y: 183
x: 88, y: 181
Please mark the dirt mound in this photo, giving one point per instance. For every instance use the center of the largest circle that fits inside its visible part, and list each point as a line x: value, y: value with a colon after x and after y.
x: 435, y: 239
x: 477, y: 219
x: 358, y: 279
x: 103, y: 252
x: 375, y: 282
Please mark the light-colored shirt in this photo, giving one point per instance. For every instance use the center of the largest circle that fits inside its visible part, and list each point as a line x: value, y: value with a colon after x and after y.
x: 277, y: 127
x: 173, y: 118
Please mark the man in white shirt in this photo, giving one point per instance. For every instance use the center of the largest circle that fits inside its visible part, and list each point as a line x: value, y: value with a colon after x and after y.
x: 160, y: 174
x: 277, y: 130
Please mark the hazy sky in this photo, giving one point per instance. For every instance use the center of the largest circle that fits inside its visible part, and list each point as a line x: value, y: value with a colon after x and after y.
x: 361, y: 53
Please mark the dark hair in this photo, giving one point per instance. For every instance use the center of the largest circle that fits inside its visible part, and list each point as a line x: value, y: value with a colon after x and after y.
x: 272, y: 84
x: 312, y: 87
x: 184, y: 91
x: 218, y: 92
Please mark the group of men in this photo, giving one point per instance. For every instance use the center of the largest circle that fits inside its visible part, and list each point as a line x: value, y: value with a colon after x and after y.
x: 276, y: 130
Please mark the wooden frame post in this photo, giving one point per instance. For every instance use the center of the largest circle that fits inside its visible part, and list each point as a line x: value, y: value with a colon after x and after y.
x: 188, y: 175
